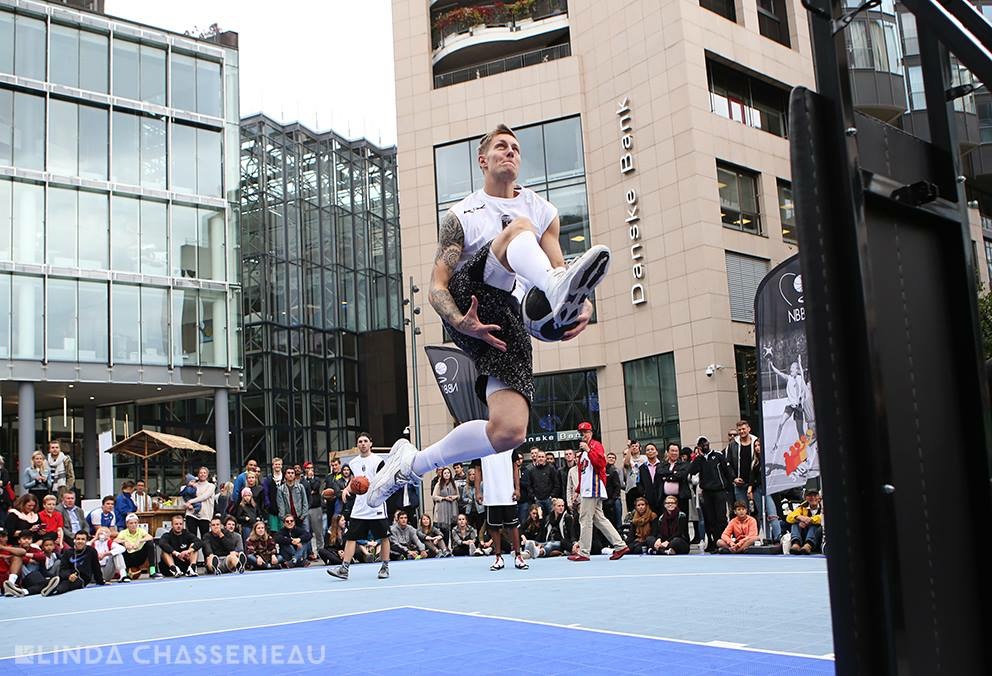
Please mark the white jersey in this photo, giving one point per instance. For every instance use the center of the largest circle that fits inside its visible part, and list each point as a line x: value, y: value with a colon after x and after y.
x: 497, y: 479
x: 483, y: 217
x: 366, y: 467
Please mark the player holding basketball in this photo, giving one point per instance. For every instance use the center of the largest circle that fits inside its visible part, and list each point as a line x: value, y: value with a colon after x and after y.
x: 365, y: 522
x: 485, y: 241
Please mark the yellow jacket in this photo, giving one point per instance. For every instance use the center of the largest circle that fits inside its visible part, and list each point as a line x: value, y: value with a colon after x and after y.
x: 804, y: 510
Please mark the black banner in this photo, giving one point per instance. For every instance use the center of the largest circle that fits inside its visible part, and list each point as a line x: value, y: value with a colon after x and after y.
x: 789, y: 424
x: 456, y: 375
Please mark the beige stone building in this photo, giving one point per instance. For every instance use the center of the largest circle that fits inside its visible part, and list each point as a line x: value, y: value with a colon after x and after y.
x: 669, y: 116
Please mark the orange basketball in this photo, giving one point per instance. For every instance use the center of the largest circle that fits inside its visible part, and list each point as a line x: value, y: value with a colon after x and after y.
x: 359, y: 485
x: 327, y: 493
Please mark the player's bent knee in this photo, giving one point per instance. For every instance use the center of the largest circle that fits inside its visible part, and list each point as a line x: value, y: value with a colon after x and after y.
x: 507, y: 439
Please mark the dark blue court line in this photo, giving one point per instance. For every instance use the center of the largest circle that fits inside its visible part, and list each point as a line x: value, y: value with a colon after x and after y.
x: 414, y: 641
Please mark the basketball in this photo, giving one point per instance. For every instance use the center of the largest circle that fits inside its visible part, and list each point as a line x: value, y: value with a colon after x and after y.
x: 359, y: 485
x: 327, y: 493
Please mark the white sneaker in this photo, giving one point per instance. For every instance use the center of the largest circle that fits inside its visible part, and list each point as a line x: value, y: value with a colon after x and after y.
x: 51, y: 586
x: 11, y: 589
x: 571, y: 286
x: 394, y: 475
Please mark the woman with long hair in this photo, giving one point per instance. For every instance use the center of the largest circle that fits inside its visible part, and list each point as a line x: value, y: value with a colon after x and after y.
x: 260, y: 548
x: 200, y: 510
x: 643, y: 527
x: 23, y: 516
x: 37, y: 479
x: 433, y: 538
x: 332, y: 553
x: 532, y: 533
x: 445, y: 496
x: 672, y: 535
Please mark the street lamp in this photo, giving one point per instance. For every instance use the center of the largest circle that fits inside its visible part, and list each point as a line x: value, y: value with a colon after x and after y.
x: 414, y: 332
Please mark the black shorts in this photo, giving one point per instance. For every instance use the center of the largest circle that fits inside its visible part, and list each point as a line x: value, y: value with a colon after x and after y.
x: 795, y: 411
x: 515, y: 367
x: 502, y: 516
x: 367, y: 529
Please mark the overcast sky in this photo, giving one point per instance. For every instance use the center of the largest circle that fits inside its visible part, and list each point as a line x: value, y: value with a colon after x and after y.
x: 325, y: 63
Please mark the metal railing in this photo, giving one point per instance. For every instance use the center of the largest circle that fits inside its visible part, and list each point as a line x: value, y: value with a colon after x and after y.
x: 502, y: 65
x: 460, y: 21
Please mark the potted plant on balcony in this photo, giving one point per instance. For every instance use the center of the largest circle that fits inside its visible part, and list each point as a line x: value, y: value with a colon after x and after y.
x: 522, y: 11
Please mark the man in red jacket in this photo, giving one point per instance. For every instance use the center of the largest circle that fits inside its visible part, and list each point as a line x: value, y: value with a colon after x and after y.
x: 592, y: 488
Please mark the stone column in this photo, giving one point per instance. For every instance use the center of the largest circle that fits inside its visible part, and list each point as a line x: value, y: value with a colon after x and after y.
x: 25, y: 428
x: 222, y: 432
x: 91, y: 453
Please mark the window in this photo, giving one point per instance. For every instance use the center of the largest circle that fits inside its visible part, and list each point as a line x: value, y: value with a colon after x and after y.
x: 185, y: 328
x: 63, y: 226
x: 93, y: 321
x: 22, y: 130
x: 154, y: 244
x: 746, y: 99
x: 79, y: 58
x: 125, y: 331
x: 94, y: 220
x: 27, y: 317
x: 911, y: 41
x: 874, y: 44
x: 651, y: 399
x: 917, y: 97
x: 4, y: 297
x: 6, y: 212
x: 6, y: 125
x: 773, y: 21
x: 77, y: 140
x: 787, y: 212
x: 196, y: 84
x: 28, y: 222
x: 29, y: 47
x: 154, y: 325
x: 139, y: 72
x: 213, y: 328
x: 561, y: 402
x: 988, y: 258
x: 746, y: 362
x: 724, y: 8
x: 125, y: 219
x: 61, y: 309
x: 196, y: 160
x: 139, y: 150
x: 6, y: 61
x: 984, y: 109
x: 738, y: 198
x: 744, y: 273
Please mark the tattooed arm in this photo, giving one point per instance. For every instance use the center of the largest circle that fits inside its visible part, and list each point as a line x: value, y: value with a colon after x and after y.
x: 451, y: 241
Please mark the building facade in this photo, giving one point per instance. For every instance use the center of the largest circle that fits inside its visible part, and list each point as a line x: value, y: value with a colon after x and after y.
x: 323, y: 299
x: 119, y: 235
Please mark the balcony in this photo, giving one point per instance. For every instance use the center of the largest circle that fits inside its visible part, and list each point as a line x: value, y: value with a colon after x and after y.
x: 502, y: 65
x: 468, y: 36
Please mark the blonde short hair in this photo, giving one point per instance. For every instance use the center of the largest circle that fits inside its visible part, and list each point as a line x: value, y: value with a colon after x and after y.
x: 487, y: 140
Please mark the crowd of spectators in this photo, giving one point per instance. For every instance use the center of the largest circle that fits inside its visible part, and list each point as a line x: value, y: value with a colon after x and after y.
x: 287, y: 516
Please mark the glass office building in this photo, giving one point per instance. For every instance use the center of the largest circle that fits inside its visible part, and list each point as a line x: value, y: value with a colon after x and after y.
x: 119, y: 233
x: 323, y: 296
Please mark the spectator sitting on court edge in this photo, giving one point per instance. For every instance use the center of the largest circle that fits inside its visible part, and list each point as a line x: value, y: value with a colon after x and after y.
x: 807, y: 524
x: 740, y: 533
x: 463, y: 535
x: 73, y: 518
x: 404, y: 543
x: 103, y: 517
x: 673, y: 529
x: 260, y: 548
x: 294, y: 542
x: 643, y: 527
x: 179, y: 549
x: 220, y: 550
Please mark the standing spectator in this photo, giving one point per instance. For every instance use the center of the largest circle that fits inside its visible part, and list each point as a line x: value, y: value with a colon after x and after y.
x: 673, y: 529
x: 407, y: 499
x: 23, y: 516
x: 73, y: 519
x: 592, y: 486
x: 332, y: 553
x: 632, y: 461
x: 643, y: 527
x: 445, y: 496
x: 614, y: 487
x: 138, y: 549
x: 345, y: 498
x: 755, y: 489
x: 251, y: 467
x: 7, y: 495
x: 542, y: 481
x: 270, y: 490
x: 260, y: 548
x: 432, y: 537
x: 79, y: 566
x: 103, y: 517
x: 740, y: 455
x: 11, y: 561
x: 220, y: 550
x: 61, y: 474
x: 253, y: 482
x: 51, y: 519
x: 526, y: 496
x: 246, y: 512
x: 715, y: 481
x: 740, y: 533
x: 294, y: 542
x: 404, y: 542
x: 472, y: 508
x: 142, y: 501
x: 568, y: 462
x: 458, y: 475
x: 315, y: 514
x: 463, y: 536
x: 124, y: 505
x: 675, y: 475
x: 223, y: 503
x: 198, y: 518
x: 807, y: 524
x: 292, y: 500
x: 179, y: 549
x: 650, y: 481
x: 334, y: 481
x: 37, y: 478
x: 687, y: 455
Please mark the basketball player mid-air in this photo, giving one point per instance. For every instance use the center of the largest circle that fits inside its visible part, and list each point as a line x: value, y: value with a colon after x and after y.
x: 484, y: 243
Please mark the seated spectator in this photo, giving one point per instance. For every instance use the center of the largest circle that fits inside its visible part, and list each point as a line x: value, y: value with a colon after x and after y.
x: 11, y: 562
x: 124, y: 505
x: 73, y: 519
x: 484, y: 543
x: 179, y: 549
x: 44, y: 578
x: 51, y: 519
x: 463, y: 536
x: 294, y: 543
x: 139, y: 549
x: 404, y: 543
x: 532, y: 533
x: 220, y: 550
x: 103, y: 517
x: 109, y: 555
x: 559, y: 529
x: 332, y: 553
x: 643, y: 526
x: 78, y: 566
x: 807, y: 524
x: 246, y: 511
x: 432, y: 538
x: 231, y: 526
x: 260, y: 548
x: 740, y: 533
x: 673, y: 529
x: 23, y: 516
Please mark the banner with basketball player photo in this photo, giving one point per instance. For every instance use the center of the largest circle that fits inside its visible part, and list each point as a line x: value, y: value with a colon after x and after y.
x: 788, y: 434
x: 455, y: 374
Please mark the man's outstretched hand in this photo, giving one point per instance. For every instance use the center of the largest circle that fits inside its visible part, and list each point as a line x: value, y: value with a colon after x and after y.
x: 580, y: 322
x: 470, y: 325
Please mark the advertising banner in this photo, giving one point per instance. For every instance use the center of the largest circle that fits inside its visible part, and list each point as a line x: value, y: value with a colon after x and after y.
x: 456, y: 375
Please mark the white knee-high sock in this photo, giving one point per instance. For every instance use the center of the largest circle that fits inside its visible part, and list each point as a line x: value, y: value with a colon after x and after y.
x: 468, y: 441
x: 527, y: 259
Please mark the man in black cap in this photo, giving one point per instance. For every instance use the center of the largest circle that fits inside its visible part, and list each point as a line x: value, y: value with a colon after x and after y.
x: 716, y: 479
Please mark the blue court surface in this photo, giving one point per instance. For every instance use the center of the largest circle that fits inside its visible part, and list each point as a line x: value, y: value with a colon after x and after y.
x: 678, y: 615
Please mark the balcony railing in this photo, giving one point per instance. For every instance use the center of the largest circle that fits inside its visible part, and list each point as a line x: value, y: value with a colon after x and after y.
x: 502, y: 65
x: 502, y: 15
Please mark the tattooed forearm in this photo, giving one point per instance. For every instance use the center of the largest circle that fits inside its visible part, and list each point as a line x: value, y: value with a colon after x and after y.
x: 444, y: 305
x: 451, y: 241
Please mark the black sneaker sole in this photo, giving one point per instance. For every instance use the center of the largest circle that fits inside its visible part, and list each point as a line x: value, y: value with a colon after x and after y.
x: 334, y: 573
x: 587, y: 283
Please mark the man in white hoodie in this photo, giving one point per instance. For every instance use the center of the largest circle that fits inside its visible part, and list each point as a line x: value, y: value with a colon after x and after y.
x: 60, y: 468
